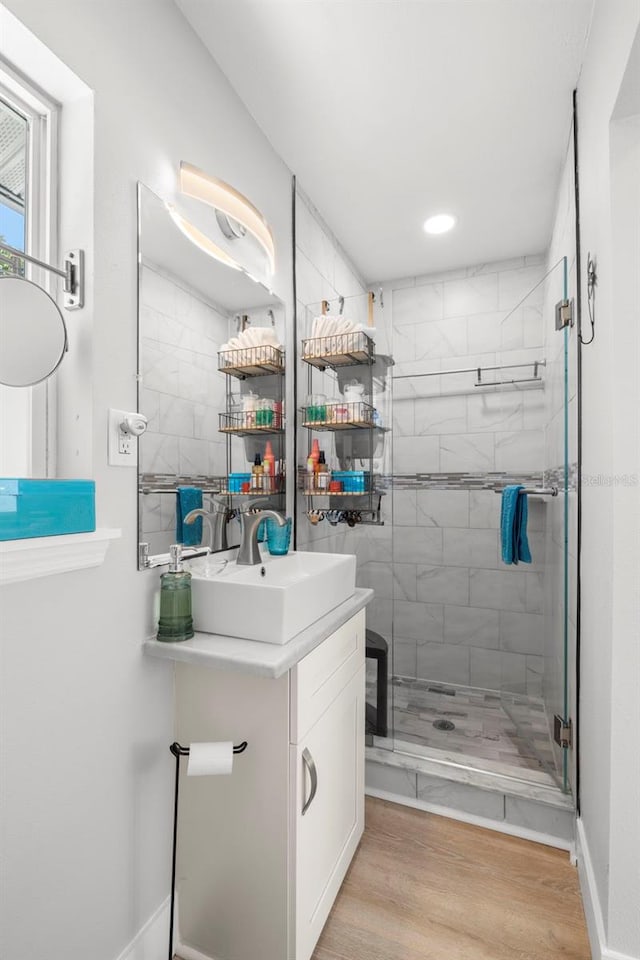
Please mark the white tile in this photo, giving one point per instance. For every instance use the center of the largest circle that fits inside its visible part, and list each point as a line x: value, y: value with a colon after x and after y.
x: 158, y: 454
x: 535, y: 674
x: 417, y: 304
x: 513, y: 672
x: 485, y: 667
x: 522, y: 632
x: 193, y: 456
x: 484, y: 509
x: 404, y: 656
x: 442, y: 508
x: 498, y: 590
x: 442, y: 584
x: 484, y: 331
x: 404, y: 507
x: 519, y: 451
x: 472, y: 295
x: 405, y: 581
x: 462, y: 453
x: 176, y: 416
x: 443, y: 662
x: 418, y: 545
x: 534, y: 592
x: 403, y: 417
x: 378, y: 577
x: 488, y: 412
x: 159, y: 367
x: 460, y: 796
x: 441, y: 338
x: 418, y: 621
x: 404, y: 342
x: 436, y: 415
x: 470, y: 548
x: 514, y: 285
x: 533, y: 404
x: 416, y: 455
x: 379, y: 776
x: 472, y: 626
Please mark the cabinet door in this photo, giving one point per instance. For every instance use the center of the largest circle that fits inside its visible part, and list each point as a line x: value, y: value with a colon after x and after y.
x: 328, y: 815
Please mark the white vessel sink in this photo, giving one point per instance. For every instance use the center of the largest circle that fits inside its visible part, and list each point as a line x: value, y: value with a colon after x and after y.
x: 272, y: 601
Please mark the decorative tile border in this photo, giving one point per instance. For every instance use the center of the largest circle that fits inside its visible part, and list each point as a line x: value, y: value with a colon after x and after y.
x: 457, y: 481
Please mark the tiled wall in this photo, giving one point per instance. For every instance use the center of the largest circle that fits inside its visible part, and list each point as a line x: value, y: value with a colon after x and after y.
x: 182, y: 394
x: 323, y: 271
x: 460, y: 615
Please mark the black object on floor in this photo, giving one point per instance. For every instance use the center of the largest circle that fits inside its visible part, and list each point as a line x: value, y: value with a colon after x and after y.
x: 376, y: 717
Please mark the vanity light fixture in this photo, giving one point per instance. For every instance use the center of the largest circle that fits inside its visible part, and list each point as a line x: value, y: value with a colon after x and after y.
x: 440, y: 223
x: 228, y: 201
x: 200, y: 239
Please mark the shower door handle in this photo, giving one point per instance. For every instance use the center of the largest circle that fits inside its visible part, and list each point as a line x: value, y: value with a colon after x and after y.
x: 308, y: 764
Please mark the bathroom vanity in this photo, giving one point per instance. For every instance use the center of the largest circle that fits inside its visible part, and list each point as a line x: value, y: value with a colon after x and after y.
x: 262, y: 853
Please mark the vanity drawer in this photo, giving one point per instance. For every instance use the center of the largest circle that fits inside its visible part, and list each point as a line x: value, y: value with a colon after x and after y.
x: 318, y: 679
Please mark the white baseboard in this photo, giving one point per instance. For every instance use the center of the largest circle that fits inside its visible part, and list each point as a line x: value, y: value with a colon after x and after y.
x: 500, y: 826
x: 591, y: 902
x: 152, y: 940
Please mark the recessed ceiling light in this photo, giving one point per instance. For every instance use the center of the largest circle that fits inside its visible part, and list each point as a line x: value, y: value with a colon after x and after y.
x: 441, y: 223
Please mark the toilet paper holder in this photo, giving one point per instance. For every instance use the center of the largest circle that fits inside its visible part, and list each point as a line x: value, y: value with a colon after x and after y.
x: 179, y: 751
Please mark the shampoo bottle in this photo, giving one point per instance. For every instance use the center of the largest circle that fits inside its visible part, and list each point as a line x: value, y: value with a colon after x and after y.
x: 257, y: 473
x: 175, y: 622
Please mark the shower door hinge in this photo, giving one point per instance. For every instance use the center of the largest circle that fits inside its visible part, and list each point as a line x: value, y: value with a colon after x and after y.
x: 562, y: 732
x: 564, y: 314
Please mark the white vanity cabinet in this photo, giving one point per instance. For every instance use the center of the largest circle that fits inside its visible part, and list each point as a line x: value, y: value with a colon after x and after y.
x: 262, y: 853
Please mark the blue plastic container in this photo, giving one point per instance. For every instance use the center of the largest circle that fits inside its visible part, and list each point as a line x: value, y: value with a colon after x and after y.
x: 236, y: 480
x: 46, y: 508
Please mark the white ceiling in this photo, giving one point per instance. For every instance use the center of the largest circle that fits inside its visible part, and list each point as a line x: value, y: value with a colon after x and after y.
x: 391, y: 110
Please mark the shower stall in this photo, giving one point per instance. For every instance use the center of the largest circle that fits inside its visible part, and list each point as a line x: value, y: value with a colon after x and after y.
x: 470, y: 386
x: 483, y: 652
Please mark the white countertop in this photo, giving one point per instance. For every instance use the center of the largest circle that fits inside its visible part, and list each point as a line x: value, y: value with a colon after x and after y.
x: 251, y: 656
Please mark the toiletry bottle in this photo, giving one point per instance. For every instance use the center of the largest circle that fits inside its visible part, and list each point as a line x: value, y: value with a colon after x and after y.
x: 257, y: 474
x: 175, y: 622
x: 322, y: 474
x: 315, y: 452
x: 269, y: 464
x: 310, y: 479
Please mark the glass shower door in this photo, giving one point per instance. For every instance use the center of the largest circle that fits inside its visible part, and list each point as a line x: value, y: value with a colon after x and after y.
x: 545, y: 693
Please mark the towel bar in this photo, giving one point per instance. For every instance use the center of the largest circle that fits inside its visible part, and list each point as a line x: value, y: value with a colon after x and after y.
x: 534, y: 491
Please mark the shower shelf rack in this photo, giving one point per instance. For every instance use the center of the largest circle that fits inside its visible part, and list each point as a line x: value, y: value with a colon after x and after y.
x: 338, y: 352
x: 534, y: 364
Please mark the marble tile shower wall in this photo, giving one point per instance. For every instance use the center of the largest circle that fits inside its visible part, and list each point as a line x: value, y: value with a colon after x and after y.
x: 181, y: 394
x: 323, y: 271
x: 460, y: 615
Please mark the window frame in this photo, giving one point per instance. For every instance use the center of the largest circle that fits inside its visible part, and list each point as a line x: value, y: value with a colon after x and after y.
x: 41, y: 240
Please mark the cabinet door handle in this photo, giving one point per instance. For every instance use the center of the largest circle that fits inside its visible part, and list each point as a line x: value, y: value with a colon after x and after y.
x: 307, y: 761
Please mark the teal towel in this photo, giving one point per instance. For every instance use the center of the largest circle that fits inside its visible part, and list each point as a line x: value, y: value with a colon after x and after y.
x: 513, y: 525
x: 187, y: 499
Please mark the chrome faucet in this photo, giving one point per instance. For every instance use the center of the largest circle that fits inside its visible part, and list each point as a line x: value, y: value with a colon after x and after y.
x: 249, y: 552
x: 216, y: 521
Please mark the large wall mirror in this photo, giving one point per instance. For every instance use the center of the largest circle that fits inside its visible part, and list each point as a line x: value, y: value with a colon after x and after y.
x: 211, y: 384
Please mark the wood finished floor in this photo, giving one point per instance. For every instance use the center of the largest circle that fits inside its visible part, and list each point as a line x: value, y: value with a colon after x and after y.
x: 423, y: 887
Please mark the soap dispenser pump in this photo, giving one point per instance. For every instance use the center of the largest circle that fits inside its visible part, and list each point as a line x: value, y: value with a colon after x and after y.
x: 175, y: 622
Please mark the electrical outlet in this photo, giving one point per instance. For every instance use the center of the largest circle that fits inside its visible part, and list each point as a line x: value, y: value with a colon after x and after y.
x: 122, y: 447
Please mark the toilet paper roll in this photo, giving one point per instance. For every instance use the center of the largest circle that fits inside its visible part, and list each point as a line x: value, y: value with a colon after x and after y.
x: 210, y: 759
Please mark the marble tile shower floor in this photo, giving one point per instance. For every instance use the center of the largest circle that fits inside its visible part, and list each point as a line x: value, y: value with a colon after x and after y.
x: 484, y: 735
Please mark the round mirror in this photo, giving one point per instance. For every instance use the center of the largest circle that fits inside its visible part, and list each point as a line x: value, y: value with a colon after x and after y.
x: 33, y: 336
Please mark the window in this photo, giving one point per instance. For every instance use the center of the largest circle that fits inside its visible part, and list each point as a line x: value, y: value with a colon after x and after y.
x: 27, y: 222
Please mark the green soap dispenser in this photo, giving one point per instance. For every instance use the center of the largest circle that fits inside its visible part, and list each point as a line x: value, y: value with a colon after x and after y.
x: 175, y: 621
